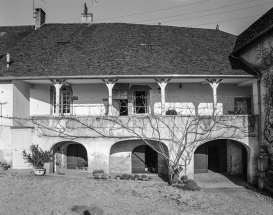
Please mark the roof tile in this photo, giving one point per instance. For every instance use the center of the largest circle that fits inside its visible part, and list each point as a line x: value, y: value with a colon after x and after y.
x: 115, y: 49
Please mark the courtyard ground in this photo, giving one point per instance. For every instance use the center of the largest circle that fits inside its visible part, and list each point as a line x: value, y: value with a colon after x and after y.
x: 24, y: 193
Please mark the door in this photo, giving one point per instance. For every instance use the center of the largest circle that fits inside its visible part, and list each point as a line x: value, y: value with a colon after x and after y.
x: 201, y: 159
x: 21, y: 141
x: 138, y: 159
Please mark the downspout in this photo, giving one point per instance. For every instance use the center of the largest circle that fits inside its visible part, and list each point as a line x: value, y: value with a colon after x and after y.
x: 260, y: 111
x: 259, y: 96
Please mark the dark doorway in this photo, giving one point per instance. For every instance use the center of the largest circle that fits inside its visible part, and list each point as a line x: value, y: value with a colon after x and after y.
x: 76, y: 156
x: 142, y: 157
x: 140, y: 102
x: 123, y: 107
x: 151, y: 159
x: 244, y: 160
x: 211, y: 156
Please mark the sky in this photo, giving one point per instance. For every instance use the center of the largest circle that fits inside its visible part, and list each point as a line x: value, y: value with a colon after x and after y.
x: 232, y: 16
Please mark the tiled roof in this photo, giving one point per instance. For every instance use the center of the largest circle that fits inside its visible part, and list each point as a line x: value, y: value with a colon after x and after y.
x: 121, y: 49
x: 11, y: 35
x: 255, y: 30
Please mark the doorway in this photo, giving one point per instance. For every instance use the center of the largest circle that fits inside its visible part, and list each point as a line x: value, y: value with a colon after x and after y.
x: 144, y: 157
x: 140, y: 102
x: 211, y: 156
x: 76, y: 156
x: 123, y: 107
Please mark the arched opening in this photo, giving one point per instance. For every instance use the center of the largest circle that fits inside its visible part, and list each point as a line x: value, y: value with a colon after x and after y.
x: 222, y: 156
x: 69, y: 155
x: 136, y: 157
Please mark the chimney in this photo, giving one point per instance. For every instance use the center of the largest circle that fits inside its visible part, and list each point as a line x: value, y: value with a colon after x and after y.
x: 87, y: 17
x: 8, y: 60
x: 39, y: 16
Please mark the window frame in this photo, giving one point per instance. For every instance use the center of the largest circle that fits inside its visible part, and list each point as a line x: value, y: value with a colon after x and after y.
x: 65, y: 108
x: 145, y: 107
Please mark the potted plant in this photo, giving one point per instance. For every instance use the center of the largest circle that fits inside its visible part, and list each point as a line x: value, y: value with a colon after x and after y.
x: 37, y: 158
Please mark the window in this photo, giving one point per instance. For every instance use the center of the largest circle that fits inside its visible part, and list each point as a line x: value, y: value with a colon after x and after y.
x: 66, y: 94
x: 140, y: 102
x: 242, y: 106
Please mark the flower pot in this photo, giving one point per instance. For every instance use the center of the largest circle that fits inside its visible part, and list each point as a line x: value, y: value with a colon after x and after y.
x: 40, y: 171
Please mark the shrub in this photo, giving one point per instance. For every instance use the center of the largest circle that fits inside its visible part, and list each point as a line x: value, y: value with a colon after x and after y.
x: 144, y: 176
x: 135, y: 177
x: 129, y: 177
x: 184, y: 179
x: 37, y: 157
x: 100, y: 176
x: 96, y: 172
x: 4, y: 166
x: 124, y: 176
x: 191, y: 185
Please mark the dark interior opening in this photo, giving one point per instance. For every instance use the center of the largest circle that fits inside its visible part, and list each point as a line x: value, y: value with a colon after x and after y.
x: 123, y: 107
x: 76, y: 156
x: 244, y: 158
x: 211, y: 156
x: 140, y: 101
x: 144, y: 157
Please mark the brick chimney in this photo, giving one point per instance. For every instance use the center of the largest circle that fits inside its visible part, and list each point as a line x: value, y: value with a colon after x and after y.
x: 39, y: 16
x: 87, y: 17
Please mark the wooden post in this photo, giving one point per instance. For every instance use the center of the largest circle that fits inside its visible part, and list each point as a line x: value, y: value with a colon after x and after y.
x: 110, y: 84
x: 214, y: 84
x: 58, y: 85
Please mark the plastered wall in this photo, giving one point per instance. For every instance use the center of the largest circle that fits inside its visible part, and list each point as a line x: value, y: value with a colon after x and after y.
x: 21, y: 97
x: 40, y: 99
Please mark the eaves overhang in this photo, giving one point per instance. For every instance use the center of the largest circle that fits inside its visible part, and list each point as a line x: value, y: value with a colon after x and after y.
x: 244, y: 65
x: 10, y: 78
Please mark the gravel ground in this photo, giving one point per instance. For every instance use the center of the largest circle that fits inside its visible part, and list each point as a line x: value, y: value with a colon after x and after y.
x: 24, y: 193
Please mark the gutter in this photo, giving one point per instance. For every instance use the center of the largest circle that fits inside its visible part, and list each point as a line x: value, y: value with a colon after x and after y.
x: 125, y: 77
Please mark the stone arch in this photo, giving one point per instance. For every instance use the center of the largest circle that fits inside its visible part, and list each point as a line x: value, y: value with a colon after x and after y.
x: 229, y: 156
x: 69, y: 155
x: 121, y: 155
